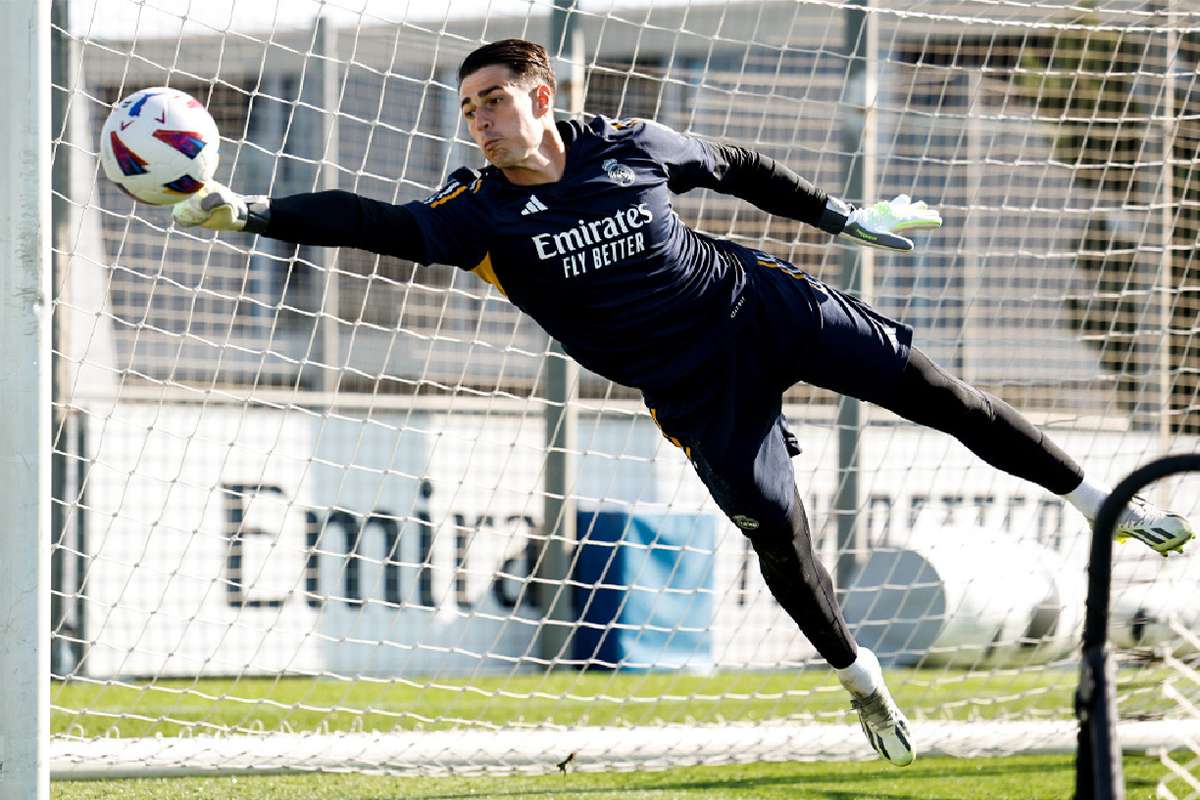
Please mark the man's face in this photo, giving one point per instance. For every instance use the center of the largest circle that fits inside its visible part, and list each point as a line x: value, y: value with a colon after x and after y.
x: 505, y: 119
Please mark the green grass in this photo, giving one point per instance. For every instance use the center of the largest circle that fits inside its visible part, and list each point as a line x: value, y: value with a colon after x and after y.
x: 1013, y: 778
x: 168, y: 707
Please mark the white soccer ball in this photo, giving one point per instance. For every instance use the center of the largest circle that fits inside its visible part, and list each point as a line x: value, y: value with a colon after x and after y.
x: 159, y: 145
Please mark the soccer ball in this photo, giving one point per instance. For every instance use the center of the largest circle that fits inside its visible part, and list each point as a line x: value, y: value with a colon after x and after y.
x: 159, y: 145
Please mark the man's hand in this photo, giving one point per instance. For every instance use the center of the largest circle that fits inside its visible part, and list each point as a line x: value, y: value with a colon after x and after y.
x: 880, y: 225
x: 219, y: 208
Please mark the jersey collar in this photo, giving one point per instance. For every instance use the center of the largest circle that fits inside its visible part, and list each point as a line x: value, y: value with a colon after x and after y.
x: 570, y: 131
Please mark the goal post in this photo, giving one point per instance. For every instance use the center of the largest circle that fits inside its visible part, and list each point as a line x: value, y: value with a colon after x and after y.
x: 328, y: 510
x: 25, y: 295
x: 1098, y: 768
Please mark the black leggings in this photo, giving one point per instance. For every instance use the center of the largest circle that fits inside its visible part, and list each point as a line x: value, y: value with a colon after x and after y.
x: 749, y: 473
x: 988, y: 426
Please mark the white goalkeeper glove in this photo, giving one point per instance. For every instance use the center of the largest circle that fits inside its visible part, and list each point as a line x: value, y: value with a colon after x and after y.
x: 219, y: 208
x: 879, y: 225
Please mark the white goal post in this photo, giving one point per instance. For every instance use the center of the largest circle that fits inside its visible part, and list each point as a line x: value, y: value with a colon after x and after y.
x: 25, y: 426
x: 303, y: 508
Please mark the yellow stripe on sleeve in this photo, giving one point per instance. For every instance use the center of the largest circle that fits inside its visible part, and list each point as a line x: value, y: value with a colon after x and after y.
x: 484, y: 271
x: 448, y: 197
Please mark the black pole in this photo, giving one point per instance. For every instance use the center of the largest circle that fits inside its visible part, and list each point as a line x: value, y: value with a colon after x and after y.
x: 60, y: 178
x: 1098, y: 773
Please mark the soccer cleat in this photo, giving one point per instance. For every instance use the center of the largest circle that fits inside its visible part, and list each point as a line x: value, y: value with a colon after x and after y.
x: 885, y: 726
x: 1161, y: 531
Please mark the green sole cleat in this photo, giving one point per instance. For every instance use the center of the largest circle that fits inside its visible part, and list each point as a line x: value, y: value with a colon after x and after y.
x: 1161, y: 531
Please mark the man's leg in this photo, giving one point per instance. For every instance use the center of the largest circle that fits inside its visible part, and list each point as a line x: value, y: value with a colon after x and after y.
x: 988, y: 426
x: 861, y: 353
x: 750, y: 476
x: 997, y: 433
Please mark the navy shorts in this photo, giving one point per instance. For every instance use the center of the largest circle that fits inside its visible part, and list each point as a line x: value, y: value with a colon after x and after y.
x: 790, y: 328
x: 814, y: 333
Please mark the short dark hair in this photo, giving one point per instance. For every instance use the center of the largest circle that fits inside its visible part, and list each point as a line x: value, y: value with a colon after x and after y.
x: 527, y: 60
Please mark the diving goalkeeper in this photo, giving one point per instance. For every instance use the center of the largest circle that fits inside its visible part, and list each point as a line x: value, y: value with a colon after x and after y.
x: 573, y: 223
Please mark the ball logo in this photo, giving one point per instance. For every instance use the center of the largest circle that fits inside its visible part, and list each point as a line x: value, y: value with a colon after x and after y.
x: 619, y: 173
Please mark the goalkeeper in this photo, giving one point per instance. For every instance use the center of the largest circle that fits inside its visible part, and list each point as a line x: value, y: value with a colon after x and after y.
x: 573, y: 223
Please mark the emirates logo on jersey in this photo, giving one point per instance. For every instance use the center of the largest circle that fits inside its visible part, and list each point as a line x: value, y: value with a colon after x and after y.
x: 590, y: 246
x: 620, y: 174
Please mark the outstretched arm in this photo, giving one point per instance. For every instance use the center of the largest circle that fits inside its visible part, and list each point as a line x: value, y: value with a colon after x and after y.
x: 764, y: 182
x: 776, y: 189
x: 326, y: 219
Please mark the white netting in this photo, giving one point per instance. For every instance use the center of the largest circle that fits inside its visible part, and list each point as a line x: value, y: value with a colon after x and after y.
x: 301, y: 491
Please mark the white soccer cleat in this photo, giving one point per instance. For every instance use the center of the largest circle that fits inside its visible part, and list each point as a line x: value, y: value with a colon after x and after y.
x: 1161, y: 531
x: 885, y: 725
x: 882, y: 721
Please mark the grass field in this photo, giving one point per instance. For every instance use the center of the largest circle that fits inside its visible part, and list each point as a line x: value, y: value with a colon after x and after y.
x: 168, y: 707
x: 299, y: 704
x: 1014, y: 778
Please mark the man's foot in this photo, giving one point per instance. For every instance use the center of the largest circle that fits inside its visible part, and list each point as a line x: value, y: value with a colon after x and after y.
x: 885, y: 725
x: 1161, y: 531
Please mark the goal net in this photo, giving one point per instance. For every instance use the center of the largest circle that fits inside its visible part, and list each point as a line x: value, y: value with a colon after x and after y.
x: 320, y: 509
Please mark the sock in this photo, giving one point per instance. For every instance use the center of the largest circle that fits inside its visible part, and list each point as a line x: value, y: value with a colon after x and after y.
x: 863, y: 676
x: 1087, y: 497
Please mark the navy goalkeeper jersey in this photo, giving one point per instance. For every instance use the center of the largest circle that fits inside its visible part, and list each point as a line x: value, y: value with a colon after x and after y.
x: 599, y: 258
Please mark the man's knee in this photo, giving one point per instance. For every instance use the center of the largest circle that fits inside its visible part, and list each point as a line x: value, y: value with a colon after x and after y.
x: 751, y: 498
x: 786, y: 529
x: 931, y: 396
x: 973, y: 407
x: 759, y: 515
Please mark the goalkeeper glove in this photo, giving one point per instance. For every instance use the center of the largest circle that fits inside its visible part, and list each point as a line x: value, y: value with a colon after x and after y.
x: 879, y: 225
x: 219, y: 208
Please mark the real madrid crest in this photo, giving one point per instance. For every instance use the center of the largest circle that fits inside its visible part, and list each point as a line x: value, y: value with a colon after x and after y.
x: 621, y: 174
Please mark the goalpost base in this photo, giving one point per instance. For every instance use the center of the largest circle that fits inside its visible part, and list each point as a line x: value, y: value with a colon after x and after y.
x: 540, y: 751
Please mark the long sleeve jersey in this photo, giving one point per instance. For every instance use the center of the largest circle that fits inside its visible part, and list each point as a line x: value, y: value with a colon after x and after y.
x: 598, y: 258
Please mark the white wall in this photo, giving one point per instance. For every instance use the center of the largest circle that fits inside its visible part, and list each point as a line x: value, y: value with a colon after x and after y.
x: 162, y: 498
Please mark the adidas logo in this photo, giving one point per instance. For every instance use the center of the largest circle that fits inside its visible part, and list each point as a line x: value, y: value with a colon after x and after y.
x: 533, y: 206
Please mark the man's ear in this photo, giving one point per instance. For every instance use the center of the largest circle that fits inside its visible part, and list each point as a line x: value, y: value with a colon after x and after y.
x: 543, y: 99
